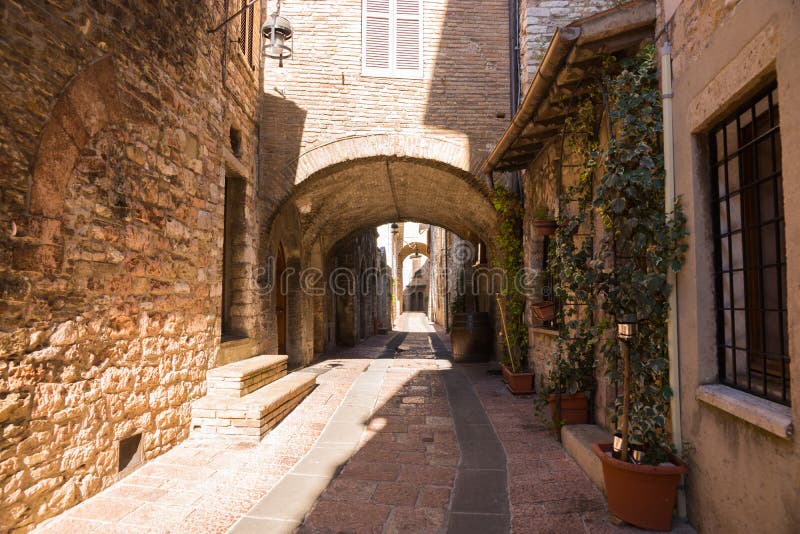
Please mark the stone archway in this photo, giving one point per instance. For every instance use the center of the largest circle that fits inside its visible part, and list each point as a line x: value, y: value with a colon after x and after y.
x: 89, y: 103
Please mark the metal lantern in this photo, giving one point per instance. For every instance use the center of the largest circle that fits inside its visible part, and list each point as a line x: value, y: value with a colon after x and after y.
x: 394, y: 228
x: 626, y: 328
x: 277, y: 35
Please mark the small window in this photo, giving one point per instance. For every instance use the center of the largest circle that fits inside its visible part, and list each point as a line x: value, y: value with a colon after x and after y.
x: 129, y: 453
x: 392, y: 38
x: 749, y: 239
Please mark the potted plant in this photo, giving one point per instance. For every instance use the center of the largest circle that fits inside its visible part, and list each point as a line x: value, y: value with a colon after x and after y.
x: 570, y: 383
x: 518, y: 380
x: 639, y: 244
x: 544, y: 223
x: 511, y: 300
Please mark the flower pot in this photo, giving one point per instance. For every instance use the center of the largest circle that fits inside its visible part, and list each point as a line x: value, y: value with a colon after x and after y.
x: 574, y: 408
x: 544, y: 311
x: 518, y: 383
x: 545, y: 227
x: 642, y: 495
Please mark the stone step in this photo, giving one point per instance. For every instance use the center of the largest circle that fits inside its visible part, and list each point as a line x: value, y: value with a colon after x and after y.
x: 254, y: 414
x: 241, y: 378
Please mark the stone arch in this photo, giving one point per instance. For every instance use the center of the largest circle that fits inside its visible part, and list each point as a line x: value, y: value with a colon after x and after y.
x: 397, y: 145
x: 410, y: 248
x: 89, y: 103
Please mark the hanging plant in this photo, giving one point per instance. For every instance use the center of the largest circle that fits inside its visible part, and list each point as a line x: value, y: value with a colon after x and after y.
x: 510, y: 259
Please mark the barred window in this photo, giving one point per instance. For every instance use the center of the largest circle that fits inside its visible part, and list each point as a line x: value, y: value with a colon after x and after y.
x: 750, y: 250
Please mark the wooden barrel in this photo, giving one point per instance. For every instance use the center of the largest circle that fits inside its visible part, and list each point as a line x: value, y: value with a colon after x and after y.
x: 471, y: 337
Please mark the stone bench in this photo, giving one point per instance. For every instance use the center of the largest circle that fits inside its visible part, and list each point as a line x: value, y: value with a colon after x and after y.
x: 241, y: 378
x: 251, y: 416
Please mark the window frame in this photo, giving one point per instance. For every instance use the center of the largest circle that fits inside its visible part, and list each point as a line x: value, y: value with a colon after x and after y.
x: 752, y: 264
x: 392, y: 71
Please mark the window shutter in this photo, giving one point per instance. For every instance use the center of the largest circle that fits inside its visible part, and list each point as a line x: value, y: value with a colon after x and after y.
x: 377, y: 34
x: 407, y: 40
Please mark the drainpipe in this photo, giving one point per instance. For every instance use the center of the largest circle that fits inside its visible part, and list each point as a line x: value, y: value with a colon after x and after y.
x: 672, y: 321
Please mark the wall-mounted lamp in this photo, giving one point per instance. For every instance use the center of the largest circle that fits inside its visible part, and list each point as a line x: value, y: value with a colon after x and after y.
x: 626, y: 328
x: 277, y: 35
x: 395, y: 228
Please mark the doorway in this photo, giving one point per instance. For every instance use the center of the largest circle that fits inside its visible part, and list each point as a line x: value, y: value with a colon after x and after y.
x: 280, y: 299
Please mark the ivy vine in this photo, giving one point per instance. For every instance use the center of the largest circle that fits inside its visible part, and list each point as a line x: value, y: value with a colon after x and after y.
x: 625, y: 271
x: 510, y: 259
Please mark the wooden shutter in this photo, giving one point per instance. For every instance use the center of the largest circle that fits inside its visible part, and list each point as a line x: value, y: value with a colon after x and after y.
x: 407, y: 37
x: 377, y: 34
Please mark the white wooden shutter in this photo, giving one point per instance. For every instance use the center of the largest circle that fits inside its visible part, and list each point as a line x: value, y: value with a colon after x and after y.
x: 392, y: 38
x: 407, y: 53
x: 377, y: 35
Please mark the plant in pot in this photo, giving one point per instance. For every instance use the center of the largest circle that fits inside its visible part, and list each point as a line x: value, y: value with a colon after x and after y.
x: 544, y: 223
x: 570, y: 383
x: 639, y: 244
x: 511, y: 299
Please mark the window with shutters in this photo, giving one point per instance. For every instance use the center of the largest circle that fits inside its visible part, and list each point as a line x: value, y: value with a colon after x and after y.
x: 392, y: 38
x: 245, y: 39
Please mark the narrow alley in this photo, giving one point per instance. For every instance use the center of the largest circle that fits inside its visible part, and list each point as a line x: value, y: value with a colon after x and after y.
x: 395, y: 438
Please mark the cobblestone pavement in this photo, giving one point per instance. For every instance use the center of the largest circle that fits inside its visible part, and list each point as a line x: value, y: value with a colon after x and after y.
x: 444, y: 450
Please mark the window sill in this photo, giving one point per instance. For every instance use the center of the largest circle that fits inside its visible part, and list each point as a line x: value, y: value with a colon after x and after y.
x: 767, y: 415
x: 544, y: 331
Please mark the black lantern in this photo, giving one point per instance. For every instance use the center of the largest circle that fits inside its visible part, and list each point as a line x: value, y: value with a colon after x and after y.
x: 277, y: 35
x: 626, y: 327
x: 394, y: 228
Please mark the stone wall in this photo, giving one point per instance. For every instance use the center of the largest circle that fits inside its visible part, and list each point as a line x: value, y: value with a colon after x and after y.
x: 723, y: 52
x: 539, y: 20
x: 115, y: 128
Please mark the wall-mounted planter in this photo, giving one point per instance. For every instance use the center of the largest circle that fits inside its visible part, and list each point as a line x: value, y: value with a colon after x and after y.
x: 518, y: 383
x: 642, y: 495
x: 544, y: 311
x: 545, y: 227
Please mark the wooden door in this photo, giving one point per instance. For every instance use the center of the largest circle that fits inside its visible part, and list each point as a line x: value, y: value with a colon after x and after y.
x: 280, y: 300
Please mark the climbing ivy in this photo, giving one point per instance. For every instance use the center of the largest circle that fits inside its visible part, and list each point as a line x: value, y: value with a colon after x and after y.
x: 571, y: 253
x: 510, y: 259
x: 625, y: 271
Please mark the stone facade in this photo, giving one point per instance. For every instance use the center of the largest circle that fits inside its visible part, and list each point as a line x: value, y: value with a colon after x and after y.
x: 539, y: 19
x: 722, y: 52
x: 115, y: 129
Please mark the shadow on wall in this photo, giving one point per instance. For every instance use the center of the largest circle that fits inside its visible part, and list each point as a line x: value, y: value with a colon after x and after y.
x: 470, y: 85
x: 282, y: 126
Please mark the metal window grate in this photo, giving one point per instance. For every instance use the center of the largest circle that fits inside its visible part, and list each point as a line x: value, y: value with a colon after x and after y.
x: 750, y: 252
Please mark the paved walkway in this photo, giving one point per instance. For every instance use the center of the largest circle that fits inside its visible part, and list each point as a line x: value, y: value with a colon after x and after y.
x: 394, y: 439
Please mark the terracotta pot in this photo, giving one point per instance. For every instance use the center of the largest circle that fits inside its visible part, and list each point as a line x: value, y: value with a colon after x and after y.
x: 544, y: 311
x: 518, y: 383
x: 642, y: 495
x: 545, y: 227
x: 574, y: 408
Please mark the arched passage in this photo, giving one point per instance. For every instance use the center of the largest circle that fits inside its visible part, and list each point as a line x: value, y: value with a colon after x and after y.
x: 362, y: 182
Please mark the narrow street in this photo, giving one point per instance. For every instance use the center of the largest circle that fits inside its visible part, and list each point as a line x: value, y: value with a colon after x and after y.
x: 393, y: 439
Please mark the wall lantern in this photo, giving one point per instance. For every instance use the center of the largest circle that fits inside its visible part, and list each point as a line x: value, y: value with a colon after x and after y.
x: 416, y: 254
x: 394, y: 228
x: 277, y: 35
x: 626, y: 328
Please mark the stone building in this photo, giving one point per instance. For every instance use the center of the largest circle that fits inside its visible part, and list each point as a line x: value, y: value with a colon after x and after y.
x: 733, y: 334
x: 162, y: 181
x: 172, y: 202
